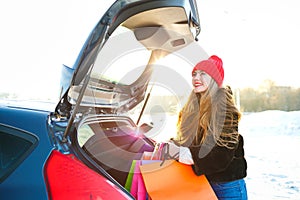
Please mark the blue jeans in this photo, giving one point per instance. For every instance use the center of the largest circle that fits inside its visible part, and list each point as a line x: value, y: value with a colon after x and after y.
x: 233, y: 190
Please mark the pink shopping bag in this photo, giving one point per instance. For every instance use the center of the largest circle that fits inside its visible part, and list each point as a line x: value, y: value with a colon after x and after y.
x: 138, y: 189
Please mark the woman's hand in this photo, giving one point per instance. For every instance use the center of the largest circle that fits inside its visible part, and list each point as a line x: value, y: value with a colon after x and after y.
x: 180, y: 153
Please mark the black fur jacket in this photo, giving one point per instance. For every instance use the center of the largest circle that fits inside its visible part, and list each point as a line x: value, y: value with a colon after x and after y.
x: 220, y: 164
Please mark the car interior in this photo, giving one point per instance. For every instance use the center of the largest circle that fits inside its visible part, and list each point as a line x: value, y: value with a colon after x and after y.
x: 114, y: 144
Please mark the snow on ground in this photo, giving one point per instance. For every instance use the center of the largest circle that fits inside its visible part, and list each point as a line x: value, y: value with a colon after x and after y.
x: 29, y: 104
x: 272, y: 144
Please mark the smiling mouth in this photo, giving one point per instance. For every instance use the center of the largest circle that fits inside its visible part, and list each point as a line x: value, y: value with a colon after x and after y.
x: 198, y: 84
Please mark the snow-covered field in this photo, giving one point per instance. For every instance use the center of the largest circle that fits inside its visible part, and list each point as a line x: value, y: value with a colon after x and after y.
x: 272, y: 146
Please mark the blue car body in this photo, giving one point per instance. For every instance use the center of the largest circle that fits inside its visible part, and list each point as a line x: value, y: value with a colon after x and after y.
x: 27, y: 178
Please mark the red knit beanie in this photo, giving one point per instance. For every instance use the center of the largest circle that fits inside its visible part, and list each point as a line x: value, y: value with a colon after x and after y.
x: 213, y: 66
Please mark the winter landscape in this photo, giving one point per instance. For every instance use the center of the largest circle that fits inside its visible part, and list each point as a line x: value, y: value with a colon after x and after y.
x: 272, y: 144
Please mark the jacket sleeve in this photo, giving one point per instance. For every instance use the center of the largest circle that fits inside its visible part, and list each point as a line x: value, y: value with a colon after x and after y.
x: 210, y: 160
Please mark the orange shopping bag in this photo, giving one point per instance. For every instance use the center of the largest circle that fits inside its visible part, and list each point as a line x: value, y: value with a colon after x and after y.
x: 174, y: 180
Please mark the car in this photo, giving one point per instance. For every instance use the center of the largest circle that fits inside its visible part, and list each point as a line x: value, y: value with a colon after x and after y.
x: 83, y: 146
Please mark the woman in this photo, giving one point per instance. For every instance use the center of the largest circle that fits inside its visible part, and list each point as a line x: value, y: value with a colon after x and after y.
x: 208, y: 137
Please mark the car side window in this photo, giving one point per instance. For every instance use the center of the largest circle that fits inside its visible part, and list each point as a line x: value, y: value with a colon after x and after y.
x: 15, y: 146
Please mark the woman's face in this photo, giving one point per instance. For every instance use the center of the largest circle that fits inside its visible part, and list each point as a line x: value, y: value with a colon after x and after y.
x: 200, y: 81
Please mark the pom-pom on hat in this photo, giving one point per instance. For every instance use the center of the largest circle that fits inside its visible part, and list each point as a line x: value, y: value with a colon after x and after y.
x: 213, y: 66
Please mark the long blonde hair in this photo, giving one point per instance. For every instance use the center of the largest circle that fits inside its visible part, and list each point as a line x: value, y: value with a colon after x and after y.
x: 209, y: 116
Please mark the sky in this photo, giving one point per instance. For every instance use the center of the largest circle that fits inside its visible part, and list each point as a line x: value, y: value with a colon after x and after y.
x: 257, y: 40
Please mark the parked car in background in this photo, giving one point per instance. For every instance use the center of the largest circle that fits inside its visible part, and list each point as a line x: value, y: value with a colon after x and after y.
x: 83, y: 148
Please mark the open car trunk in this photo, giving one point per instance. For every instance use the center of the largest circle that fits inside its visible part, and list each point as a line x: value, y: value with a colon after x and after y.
x: 112, y: 76
x: 113, y: 143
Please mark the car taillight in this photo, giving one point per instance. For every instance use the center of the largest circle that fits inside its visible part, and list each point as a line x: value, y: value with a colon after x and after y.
x: 67, y: 178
